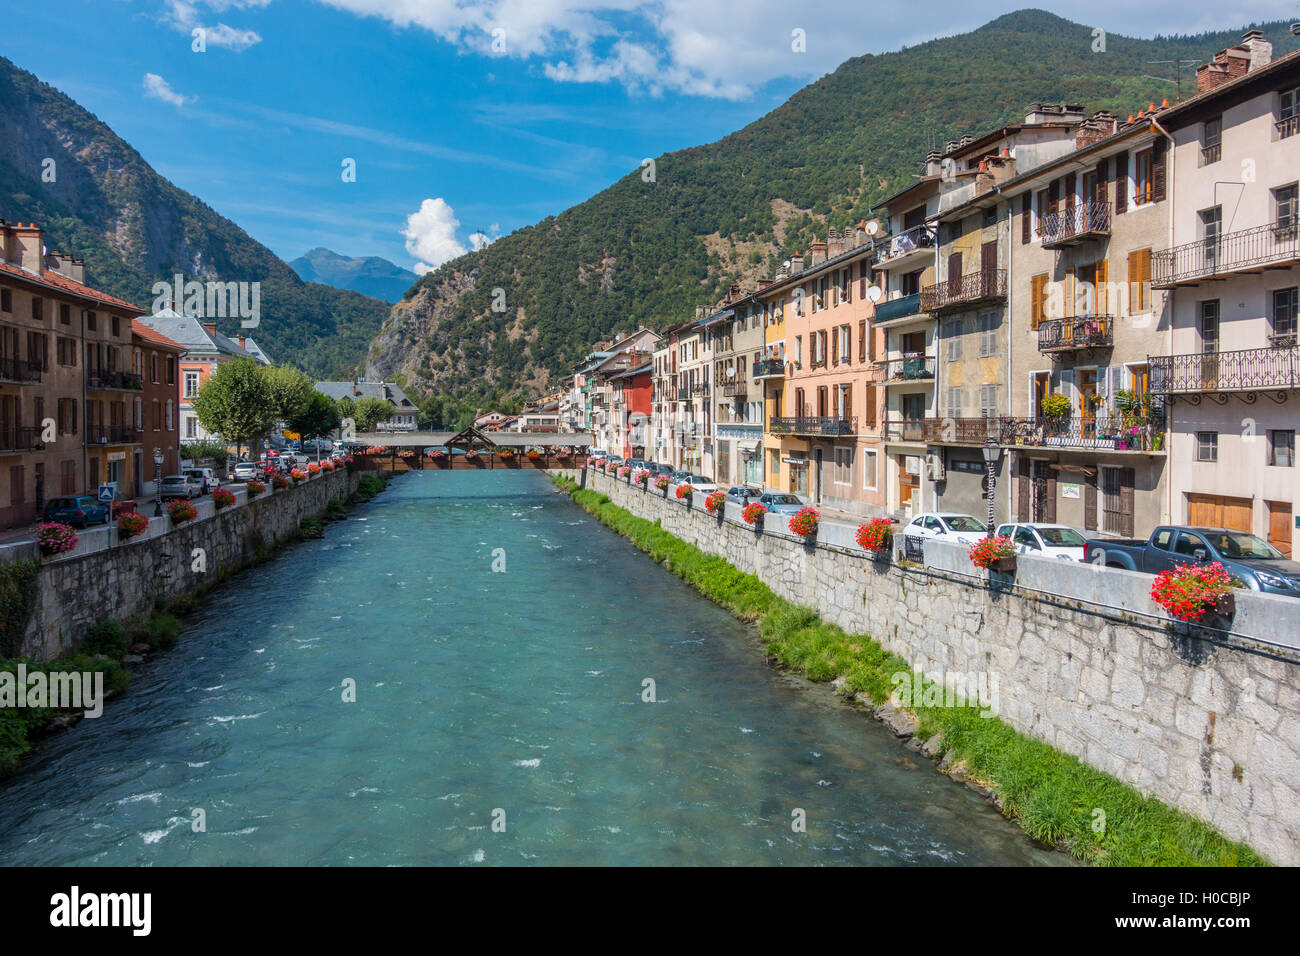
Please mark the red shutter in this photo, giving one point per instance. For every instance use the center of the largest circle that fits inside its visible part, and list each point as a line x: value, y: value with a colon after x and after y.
x: 1121, y: 182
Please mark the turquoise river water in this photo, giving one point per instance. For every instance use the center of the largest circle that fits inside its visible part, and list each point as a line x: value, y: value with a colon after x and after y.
x: 481, y: 695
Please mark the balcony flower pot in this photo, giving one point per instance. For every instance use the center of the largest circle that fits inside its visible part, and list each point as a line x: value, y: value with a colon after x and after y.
x: 1005, y: 565
x: 994, y: 554
x: 1226, y: 605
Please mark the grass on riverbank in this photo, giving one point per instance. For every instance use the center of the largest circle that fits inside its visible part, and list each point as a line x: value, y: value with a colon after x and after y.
x: 1051, y: 795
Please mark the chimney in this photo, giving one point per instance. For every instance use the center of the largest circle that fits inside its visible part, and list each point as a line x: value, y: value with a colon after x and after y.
x: 23, y: 247
x: 1211, y: 75
x: 210, y: 328
x: 933, y: 163
x: 834, y: 244
x: 1261, y: 51
x: 951, y: 146
x: 763, y: 284
x: 817, y: 254
x: 733, y: 293
x: 966, y: 139
x: 796, y: 263
x: 240, y: 336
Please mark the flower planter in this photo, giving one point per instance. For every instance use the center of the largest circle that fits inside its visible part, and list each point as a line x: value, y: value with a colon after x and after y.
x: 1226, y: 605
x: 1005, y: 565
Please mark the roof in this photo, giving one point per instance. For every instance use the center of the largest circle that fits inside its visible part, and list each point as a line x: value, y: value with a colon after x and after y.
x: 191, y: 334
x: 61, y: 283
x: 1266, y: 75
x: 360, y: 389
x: 153, y: 337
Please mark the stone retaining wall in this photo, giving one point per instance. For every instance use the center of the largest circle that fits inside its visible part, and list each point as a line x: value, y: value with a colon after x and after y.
x: 1214, y: 731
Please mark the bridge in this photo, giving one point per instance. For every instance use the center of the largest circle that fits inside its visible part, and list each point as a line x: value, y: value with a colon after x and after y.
x: 472, y: 448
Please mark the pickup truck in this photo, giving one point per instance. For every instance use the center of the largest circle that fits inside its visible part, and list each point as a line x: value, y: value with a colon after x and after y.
x: 1259, y: 565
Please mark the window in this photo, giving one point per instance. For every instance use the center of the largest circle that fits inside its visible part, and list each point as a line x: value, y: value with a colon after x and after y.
x: 988, y: 334
x: 1139, y: 280
x: 775, y: 469
x: 117, y: 330
x: 870, y: 461
x: 171, y: 422
x: 1143, y: 180
x: 171, y: 370
x: 191, y: 427
x: 845, y: 347
x: 952, y: 333
x: 1284, y: 204
x: 988, y: 401
x: 990, y: 216
x: 1281, y: 447
x: 91, y: 322
x: 1283, y: 316
x: 66, y: 350
x: 862, y: 341
x: 1207, y: 446
x: 955, y: 408
x: 139, y: 414
x: 38, y: 308
x: 1288, y: 113
x: 1044, y: 204
x: 843, y: 466
x: 1208, y: 326
x: 6, y: 301
x: 1038, y: 306
x: 1212, y: 141
x: 65, y: 314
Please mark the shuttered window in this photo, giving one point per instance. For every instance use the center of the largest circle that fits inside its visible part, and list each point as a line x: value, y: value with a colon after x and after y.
x: 1139, y: 280
x: 1038, y: 300
x: 1026, y: 213
x: 1121, y: 182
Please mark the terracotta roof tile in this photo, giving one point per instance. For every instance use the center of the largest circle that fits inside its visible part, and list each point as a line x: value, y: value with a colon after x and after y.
x: 61, y: 283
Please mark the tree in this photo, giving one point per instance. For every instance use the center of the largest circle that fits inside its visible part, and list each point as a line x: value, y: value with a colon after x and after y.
x: 318, y: 419
x: 236, y: 403
x: 369, y: 412
x: 290, y: 391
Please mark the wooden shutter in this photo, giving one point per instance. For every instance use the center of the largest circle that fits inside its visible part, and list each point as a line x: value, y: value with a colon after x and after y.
x: 835, y: 347
x: 1049, y: 499
x: 1090, y: 503
x: 1038, y: 292
x: 1053, y: 196
x: 1121, y: 182
x: 1100, y: 296
x: 1127, y: 478
x: 1158, y: 166
x: 847, y: 410
x: 1023, y: 489
x: 1069, y: 190
x: 1026, y: 213
x: 862, y: 340
x: 870, y: 417
x: 1103, y: 170
x: 863, y: 286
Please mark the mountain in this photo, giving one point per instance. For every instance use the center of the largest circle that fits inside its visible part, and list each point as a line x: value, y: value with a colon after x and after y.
x: 133, y: 227
x: 731, y: 211
x: 370, y: 276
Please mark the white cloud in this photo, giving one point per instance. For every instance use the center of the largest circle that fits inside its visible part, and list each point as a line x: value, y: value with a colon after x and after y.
x: 185, y: 17
x: 431, y: 235
x: 158, y: 88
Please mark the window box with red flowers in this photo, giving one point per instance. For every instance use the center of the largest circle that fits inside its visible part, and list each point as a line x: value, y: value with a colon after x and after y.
x: 753, y: 514
x: 661, y: 482
x: 805, y: 521
x: 624, y: 471
x: 222, y: 498
x: 877, y: 536
x: 642, y: 477
x: 684, y: 492
x: 298, y: 476
x: 506, y: 454
x: 182, y: 511
x: 131, y: 524
x: 254, y: 488
x: 533, y: 454
x: 279, y: 482
x: 1189, y: 591
x: 994, y: 554
x: 54, y: 537
x: 313, y: 469
x: 713, y: 504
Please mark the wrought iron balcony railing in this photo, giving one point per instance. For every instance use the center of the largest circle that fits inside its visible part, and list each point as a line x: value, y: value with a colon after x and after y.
x: 1080, y: 332
x: 953, y: 431
x: 1105, y: 431
x: 911, y: 367
x: 1241, y: 371
x: 1229, y: 254
x: 114, y: 380
x: 19, y: 438
x: 735, y: 389
x: 959, y: 292
x: 821, y: 425
x: 906, y: 242
x: 18, y: 371
x: 110, y: 435
x: 769, y: 368
x: 1077, y: 223
x: 901, y: 308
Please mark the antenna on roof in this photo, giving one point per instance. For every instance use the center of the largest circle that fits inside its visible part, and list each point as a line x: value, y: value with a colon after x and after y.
x: 1178, y: 72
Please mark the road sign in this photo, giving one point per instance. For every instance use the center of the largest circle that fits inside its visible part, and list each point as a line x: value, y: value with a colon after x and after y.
x: 107, y: 492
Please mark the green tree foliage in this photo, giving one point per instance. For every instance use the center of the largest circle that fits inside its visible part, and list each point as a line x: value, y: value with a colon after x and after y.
x: 318, y: 419
x: 369, y: 412
x: 290, y: 391
x: 236, y: 402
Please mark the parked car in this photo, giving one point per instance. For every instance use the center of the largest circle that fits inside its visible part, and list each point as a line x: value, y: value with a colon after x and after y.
x: 675, y: 478
x: 180, y: 486
x: 1047, y: 540
x: 206, y: 478
x: 248, y: 471
x: 635, y: 463
x: 655, y: 468
x: 957, y: 528
x: 781, y: 502
x: 81, y: 511
x: 702, y: 485
x: 742, y: 495
x: 1259, y: 565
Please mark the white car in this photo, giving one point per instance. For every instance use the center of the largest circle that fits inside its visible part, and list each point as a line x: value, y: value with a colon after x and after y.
x: 247, y: 471
x: 1047, y: 540
x: 702, y: 485
x: 205, y: 477
x: 957, y: 528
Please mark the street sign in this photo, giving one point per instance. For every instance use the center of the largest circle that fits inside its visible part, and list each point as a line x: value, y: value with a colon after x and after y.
x: 107, y: 492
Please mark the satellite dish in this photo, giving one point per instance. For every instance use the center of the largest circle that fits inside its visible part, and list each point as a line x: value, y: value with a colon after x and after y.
x: 786, y: 264
x: 873, y: 293
x: 873, y: 227
x: 731, y: 372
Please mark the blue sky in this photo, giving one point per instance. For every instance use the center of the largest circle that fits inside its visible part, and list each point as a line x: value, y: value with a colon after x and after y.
x: 462, y: 116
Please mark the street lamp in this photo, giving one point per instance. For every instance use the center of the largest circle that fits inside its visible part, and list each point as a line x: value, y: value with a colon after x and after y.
x: 991, y: 454
x: 157, y: 482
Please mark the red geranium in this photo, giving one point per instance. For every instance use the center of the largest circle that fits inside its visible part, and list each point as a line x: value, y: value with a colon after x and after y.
x: 131, y: 523
x: 279, y: 482
x: 805, y: 520
x: 684, y: 491
x: 753, y: 512
x: 182, y: 511
x: 1190, y: 590
x: 223, y: 498
x: 54, y: 537
x: 713, y: 503
x: 254, y: 488
x: 987, y: 550
x: 876, y: 535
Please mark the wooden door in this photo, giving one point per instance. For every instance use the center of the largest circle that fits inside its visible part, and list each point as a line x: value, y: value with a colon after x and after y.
x: 1219, y: 511
x: 1279, y: 526
x: 954, y: 274
x: 1042, y: 388
x: 989, y: 261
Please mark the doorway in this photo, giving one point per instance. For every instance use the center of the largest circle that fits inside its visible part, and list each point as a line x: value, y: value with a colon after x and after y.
x: 1219, y: 511
x: 1280, y: 524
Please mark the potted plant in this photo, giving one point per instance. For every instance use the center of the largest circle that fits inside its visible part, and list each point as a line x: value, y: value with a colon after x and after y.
x: 54, y: 537
x: 1190, y: 590
x: 533, y: 453
x: 877, y: 535
x: 471, y: 455
x: 684, y: 492
x: 298, y: 476
x: 804, y: 522
x: 1056, y: 406
x: 624, y: 472
x: 130, y: 524
x: 641, y: 477
x: 753, y: 514
x: 661, y: 482
x: 997, y: 553
x: 713, y: 504
x: 505, y: 454
x: 222, y: 498
x: 314, y: 469
x: 182, y: 511
x: 279, y: 482
x: 254, y: 488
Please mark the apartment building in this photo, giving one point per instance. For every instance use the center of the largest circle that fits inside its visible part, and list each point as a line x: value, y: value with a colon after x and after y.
x: 67, y: 392
x: 1232, y: 272
x: 1084, y: 319
x: 156, y: 360
x: 661, y: 439
x: 737, y: 344
x: 904, y: 263
x: 694, y: 367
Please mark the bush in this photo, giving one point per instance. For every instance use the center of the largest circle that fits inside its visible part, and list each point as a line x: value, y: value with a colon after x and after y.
x: 336, y: 510
x: 1056, y: 406
x: 311, y: 528
x: 164, y: 629
x: 108, y: 637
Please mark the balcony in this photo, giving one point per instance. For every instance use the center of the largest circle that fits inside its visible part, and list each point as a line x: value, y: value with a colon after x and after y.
x: 15, y: 371
x: 769, y: 368
x: 123, y: 381
x: 735, y: 389
x: 683, y: 394
x: 1247, y: 370
x: 804, y: 425
x: 111, y: 435
x: 912, y: 367
x: 1074, y: 224
x: 1080, y: 332
x: 19, y: 438
x: 1235, y: 253
x: 700, y: 388
x: 896, y: 248
x: 951, y: 431
x: 1102, y: 432
x: 963, y: 292
x: 906, y: 307
x: 1288, y: 127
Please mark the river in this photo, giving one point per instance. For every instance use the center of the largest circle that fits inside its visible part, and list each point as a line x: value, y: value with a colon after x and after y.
x: 498, y: 717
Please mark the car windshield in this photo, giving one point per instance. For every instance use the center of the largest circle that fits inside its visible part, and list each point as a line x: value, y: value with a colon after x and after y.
x: 1062, y: 537
x: 1235, y: 545
x: 784, y: 500
x: 962, y: 523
